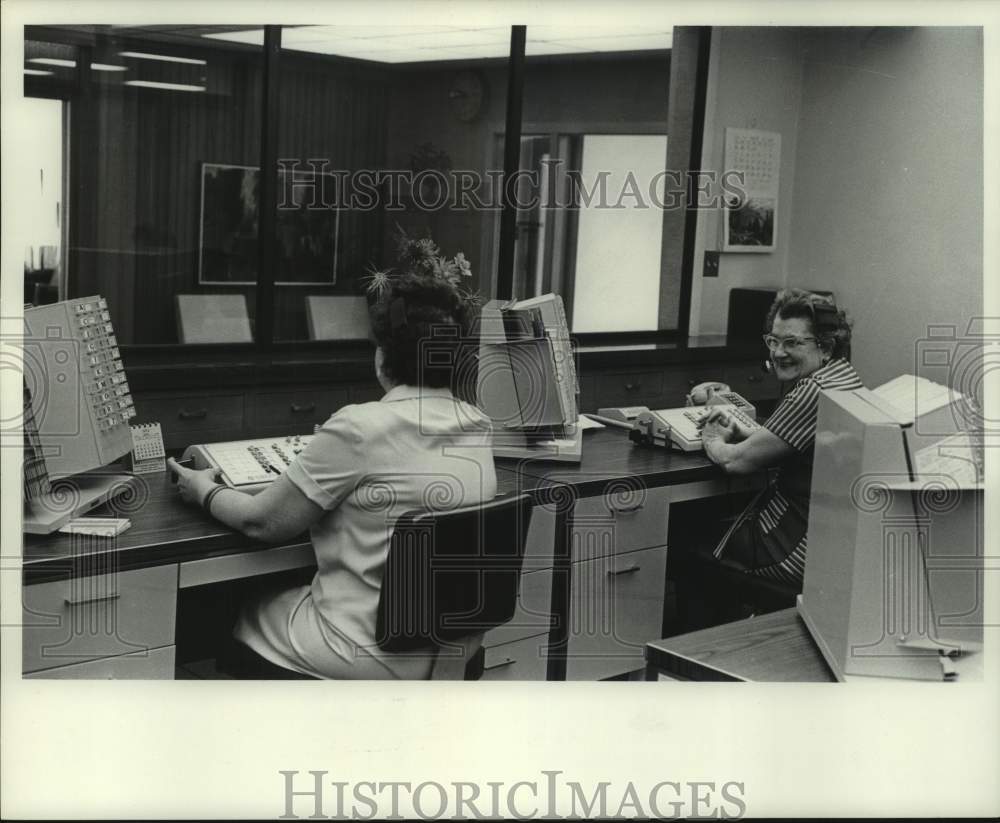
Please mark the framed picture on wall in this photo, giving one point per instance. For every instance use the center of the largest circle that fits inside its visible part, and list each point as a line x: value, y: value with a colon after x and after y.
x: 307, y: 231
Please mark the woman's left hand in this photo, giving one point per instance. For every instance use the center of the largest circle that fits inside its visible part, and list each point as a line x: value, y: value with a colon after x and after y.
x: 193, y: 484
x: 716, y: 430
x: 717, y: 423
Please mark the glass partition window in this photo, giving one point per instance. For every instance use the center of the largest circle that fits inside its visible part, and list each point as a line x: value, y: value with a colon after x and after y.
x: 380, y: 129
x: 150, y: 109
x: 593, y: 162
x: 616, y: 285
x: 38, y: 179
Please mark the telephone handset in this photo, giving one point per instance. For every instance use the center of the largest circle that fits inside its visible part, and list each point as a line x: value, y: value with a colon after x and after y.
x: 714, y: 393
x: 701, y: 394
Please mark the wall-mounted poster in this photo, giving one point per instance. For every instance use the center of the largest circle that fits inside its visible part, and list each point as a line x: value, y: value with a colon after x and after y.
x: 306, y: 230
x: 751, y: 220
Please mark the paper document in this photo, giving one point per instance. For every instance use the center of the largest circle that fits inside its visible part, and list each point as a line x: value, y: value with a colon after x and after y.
x: 912, y: 397
x: 955, y: 457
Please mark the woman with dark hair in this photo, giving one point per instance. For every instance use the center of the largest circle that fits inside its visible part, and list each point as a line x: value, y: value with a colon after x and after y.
x: 809, y: 343
x: 418, y: 447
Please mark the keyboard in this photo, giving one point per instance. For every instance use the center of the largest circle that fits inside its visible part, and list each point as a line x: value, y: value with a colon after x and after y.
x: 248, y: 465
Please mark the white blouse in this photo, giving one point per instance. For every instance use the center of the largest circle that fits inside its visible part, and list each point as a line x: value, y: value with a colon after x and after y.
x: 416, y: 448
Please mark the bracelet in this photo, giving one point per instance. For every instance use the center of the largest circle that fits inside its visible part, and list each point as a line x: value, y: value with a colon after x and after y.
x: 207, y: 502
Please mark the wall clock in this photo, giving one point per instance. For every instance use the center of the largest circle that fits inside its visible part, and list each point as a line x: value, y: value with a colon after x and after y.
x: 467, y: 95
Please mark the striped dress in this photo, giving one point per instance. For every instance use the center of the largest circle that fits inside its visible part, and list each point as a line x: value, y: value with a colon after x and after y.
x: 772, y: 544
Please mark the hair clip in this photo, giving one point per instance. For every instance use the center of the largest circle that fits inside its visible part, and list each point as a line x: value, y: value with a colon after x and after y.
x: 397, y: 314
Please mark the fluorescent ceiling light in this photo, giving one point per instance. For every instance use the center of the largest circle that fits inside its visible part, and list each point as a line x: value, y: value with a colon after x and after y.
x: 365, y: 32
x: 54, y: 61
x: 166, y: 58
x: 412, y: 44
x: 36, y: 72
x: 71, y: 64
x: 152, y: 84
x: 646, y: 41
x: 253, y: 37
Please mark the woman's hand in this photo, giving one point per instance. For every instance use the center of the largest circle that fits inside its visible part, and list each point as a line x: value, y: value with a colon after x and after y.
x: 193, y: 484
x: 719, y: 423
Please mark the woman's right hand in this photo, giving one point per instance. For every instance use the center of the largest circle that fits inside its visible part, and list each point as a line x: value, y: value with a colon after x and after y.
x: 728, y: 426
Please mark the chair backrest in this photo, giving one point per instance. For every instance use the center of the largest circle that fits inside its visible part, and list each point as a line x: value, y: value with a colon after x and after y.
x: 451, y: 574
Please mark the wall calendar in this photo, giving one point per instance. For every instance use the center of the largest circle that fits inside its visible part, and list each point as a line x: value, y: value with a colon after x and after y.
x: 751, y: 220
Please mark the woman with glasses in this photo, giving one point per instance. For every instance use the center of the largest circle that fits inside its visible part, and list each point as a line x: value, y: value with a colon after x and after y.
x: 809, y: 344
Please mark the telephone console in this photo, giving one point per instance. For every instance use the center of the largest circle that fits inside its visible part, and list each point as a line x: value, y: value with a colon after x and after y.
x: 680, y: 426
x: 248, y: 465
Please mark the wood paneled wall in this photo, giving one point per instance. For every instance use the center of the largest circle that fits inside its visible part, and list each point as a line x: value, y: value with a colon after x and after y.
x: 137, y: 178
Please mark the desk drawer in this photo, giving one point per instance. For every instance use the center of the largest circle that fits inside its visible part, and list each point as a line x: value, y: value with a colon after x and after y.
x: 157, y: 664
x: 533, y: 613
x: 637, y: 388
x: 538, y: 545
x: 750, y: 381
x: 616, y: 607
x: 625, y: 520
x: 295, y: 412
x: 521, y: 660
x: 85, y: 618
x: 193, y: 418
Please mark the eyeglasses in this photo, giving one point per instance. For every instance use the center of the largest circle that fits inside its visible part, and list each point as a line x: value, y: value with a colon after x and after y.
x: 787, y: 343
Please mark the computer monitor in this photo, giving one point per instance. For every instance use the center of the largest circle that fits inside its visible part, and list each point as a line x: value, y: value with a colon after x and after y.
x: 80, y: 408
x: 893, y: 583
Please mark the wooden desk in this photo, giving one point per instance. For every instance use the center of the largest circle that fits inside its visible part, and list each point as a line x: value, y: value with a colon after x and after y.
x: 602, y: 526
x: 607, y: 518
x: 771, y: 648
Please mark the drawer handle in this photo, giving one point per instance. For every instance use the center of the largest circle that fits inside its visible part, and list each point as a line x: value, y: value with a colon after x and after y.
x: 509, y: 661
x: 301, y: 408
x: 628, y: 509
x: 626, y: 570
x: 633, y: 386
x: 97, y: 599
x: 198, y: 414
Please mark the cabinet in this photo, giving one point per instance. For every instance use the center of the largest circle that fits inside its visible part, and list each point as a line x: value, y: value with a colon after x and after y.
x: 616, y: 574
x: 294, y: 412
x: 191, y: 417
x: 241, y: 413
x: 156, y: 664
x: 97, y: 617
x: 666, y: 386
x: 518, y: 660
x: 616, y: 607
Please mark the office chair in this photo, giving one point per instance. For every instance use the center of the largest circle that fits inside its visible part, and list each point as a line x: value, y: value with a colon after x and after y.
x: 449, y: 578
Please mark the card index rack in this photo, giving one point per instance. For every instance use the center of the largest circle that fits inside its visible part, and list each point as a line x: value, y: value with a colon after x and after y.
x: 80, y: 396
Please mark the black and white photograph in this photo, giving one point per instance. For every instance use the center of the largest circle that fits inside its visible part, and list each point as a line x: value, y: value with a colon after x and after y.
x: 499, y: 411
x: 751, y: 224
